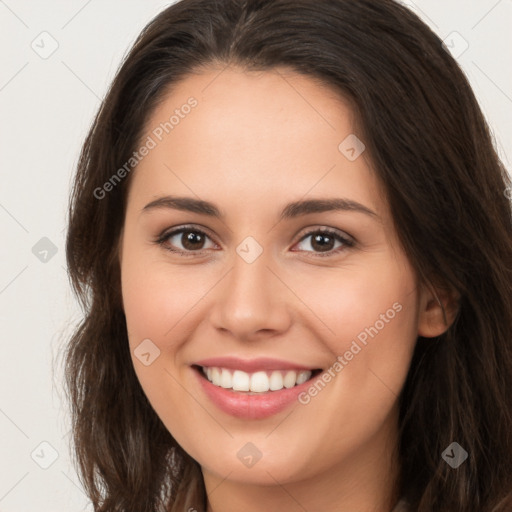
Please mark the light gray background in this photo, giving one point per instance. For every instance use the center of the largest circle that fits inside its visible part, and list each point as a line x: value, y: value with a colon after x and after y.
x: 46, y: 106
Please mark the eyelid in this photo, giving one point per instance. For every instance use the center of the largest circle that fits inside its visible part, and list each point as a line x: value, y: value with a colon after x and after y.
x: 346, y: 239
x: 162, y: 238
x: 325, y: 229
x: 184, y: 227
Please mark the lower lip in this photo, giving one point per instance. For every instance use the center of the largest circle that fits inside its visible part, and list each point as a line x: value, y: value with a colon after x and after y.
x: 250, y: 407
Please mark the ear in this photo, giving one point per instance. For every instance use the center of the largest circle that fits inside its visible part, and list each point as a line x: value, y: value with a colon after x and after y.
x: 438, y: 309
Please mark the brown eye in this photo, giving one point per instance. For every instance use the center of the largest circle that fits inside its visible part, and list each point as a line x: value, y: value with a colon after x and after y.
x: 192, y: 240
x: 186, y: 240
x: 323, y: 241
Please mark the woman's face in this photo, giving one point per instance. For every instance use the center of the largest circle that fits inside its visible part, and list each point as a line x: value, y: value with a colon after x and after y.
x: 242, y: 183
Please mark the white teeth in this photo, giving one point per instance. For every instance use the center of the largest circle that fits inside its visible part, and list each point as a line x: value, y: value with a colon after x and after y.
x: 303, y: 377
x: 258, y: 382
x: 289, y: 379
x: 240, y: 381
x: 226, y: 379
x: 215, y: 376
x: 276, y: 381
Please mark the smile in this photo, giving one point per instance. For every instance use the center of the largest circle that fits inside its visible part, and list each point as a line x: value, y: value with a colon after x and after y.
x: 257, y: 382
x: 252, y: 389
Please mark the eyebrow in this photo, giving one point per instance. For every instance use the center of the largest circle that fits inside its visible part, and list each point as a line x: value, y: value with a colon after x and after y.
x: 291, y: 210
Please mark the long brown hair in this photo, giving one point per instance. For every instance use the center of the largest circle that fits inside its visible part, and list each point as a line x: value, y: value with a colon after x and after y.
x: 432, y: 152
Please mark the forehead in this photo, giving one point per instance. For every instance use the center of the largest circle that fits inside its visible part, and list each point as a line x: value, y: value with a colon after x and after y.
x: 251, y: 135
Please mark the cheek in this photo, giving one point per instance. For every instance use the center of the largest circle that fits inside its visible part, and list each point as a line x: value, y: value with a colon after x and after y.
x: 156, y: 297
x: 361, y: 304
x: 152, y: 305
x: 369, y: 323
x: 162, y: 305
x: 156, y: 306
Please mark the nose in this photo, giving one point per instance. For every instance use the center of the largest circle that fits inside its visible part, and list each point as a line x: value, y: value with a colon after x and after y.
x: 251, y: 302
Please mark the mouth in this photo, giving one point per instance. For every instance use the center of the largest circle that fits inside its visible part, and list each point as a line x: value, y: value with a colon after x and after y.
x: 255, y: 383
x: 252, y: 390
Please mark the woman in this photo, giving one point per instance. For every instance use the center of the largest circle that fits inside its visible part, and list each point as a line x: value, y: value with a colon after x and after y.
x: 291, y: 236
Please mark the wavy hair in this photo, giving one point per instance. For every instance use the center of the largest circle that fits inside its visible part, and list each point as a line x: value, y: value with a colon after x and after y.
x: 432, y: 152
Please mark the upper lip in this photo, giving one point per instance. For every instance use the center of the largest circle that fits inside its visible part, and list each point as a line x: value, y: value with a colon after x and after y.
x: 252, y: 365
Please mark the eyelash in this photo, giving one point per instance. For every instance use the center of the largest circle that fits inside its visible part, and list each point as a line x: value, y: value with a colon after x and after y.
x: 347, y: 243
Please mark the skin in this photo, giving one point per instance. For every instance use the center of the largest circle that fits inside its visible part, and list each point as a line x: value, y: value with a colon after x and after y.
x: 255, y: 142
